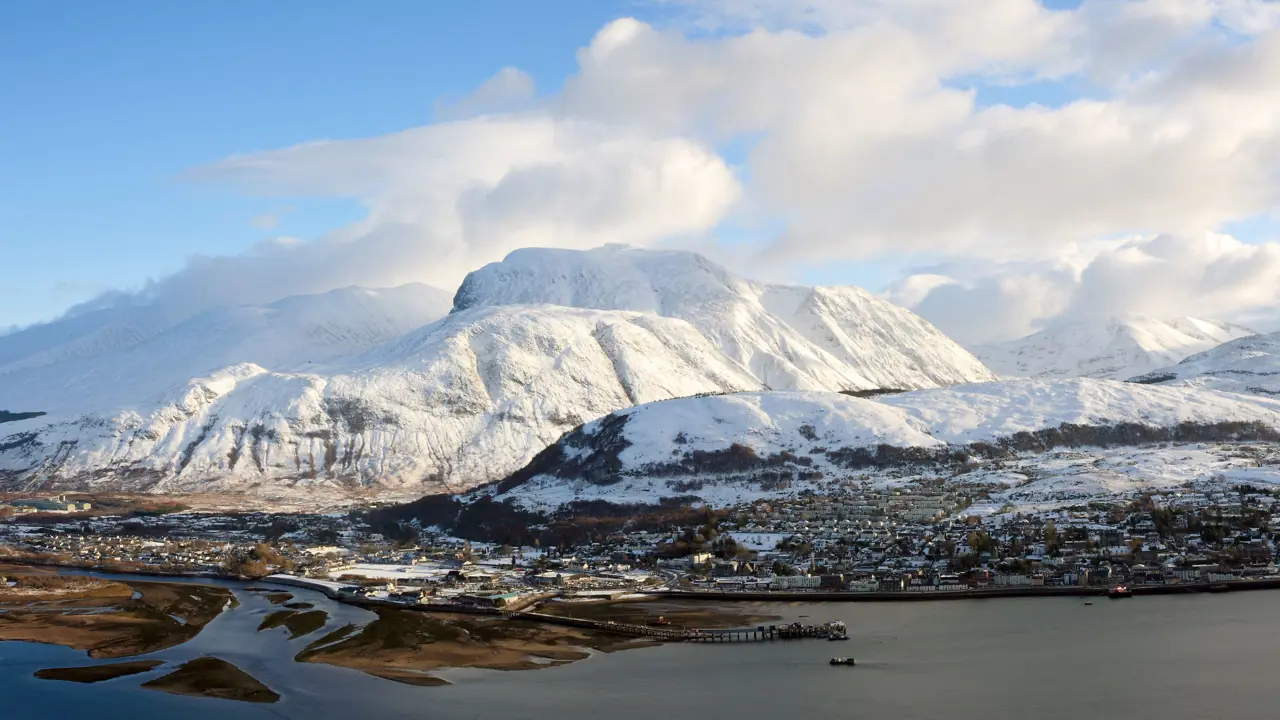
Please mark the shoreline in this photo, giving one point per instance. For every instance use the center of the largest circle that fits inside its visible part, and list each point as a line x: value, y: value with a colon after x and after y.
x: 971, y: 594
x: 831, y: 595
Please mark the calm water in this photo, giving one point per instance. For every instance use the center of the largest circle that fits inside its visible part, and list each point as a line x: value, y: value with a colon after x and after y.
x: 1171, y: 658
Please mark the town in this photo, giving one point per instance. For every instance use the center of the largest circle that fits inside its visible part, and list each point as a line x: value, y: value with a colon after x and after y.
x: 916, y: 538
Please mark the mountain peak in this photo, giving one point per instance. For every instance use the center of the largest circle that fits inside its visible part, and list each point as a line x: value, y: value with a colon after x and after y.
x: 611, y: 277
x: 791, y: 337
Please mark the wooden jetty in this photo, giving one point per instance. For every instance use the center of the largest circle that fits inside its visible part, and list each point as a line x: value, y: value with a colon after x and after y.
x: 794, y: 631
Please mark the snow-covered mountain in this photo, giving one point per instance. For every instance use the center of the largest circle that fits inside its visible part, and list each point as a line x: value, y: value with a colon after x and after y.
x: 127, y: 358
x: 334, y: 391
x: 447, y: 406
x: 1116, y: 349
x: 1246, y: 365
x: 723, y: 448
x: 825, y: 338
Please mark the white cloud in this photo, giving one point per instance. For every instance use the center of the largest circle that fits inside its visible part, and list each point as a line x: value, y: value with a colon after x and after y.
x: 862, y: 140
x: 1167, y: 276
x: 864, y: 147
x: 446, y: 198
x: 510, y: 90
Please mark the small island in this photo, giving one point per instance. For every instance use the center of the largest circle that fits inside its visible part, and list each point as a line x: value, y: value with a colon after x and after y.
x: 297, y: 623
x: 215, y: 678
x: 99, y: 673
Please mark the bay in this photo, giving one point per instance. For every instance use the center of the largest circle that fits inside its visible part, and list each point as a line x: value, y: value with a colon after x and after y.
x: 1170, y: 657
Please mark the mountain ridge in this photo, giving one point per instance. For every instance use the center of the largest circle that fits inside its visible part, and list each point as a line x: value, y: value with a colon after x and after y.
x: 1117, y: 349
x: 818, y: 338
x: 1248, y: 365
x: 228, y: 402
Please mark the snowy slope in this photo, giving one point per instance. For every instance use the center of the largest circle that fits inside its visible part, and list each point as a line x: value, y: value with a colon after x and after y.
x: 357, y: 388
x: 453, y: 404
x: 85, y: 335
x: 990, y: 411
x: 1117, y: 349
x: 790, y: 338
x: 87, y: 374
x: 1246, y: 365
x: 730, y: 446
x: 352, y: 389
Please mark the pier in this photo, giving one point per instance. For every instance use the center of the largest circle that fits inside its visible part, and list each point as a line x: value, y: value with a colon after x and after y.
x: 794, y: 631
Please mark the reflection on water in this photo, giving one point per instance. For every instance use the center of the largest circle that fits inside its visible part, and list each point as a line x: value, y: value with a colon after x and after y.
x: 1173, y: 658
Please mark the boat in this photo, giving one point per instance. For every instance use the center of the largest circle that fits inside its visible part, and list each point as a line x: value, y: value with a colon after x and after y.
x: 842, y: 661
x: 1119, y: 591
x: 833, y: 638
x: 1219, y: 588
x: 660, y: 621
x: 1088, y: 603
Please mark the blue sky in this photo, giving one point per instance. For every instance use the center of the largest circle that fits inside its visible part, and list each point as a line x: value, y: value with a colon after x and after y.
x: 111, y: 101
x: 107, y: 103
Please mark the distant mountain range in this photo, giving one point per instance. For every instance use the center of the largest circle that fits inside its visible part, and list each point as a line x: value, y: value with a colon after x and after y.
x: 373, y: 391
x: 555, y: 370
x: 1114, y: 349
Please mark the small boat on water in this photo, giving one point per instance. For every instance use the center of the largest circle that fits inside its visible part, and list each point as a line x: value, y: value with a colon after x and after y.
x: 1119, y: 591
x: 1088, y: 603
x: 842, y: 661
x: 1219, y: 588
x: 660, y: 621
x: 833, y: 638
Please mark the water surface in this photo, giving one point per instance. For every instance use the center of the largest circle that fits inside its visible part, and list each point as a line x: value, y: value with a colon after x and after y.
x: 1170, y: 657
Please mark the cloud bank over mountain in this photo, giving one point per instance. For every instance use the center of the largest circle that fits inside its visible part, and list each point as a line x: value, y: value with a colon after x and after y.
x: 1038, y: 163
x: 1163, y: 276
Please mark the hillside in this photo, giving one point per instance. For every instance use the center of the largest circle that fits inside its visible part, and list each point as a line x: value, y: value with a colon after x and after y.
x: 1246, y: 365
x: 727, y: 448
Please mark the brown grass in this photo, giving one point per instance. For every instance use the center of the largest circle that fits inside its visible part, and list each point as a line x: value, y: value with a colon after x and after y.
x: 406, y: 645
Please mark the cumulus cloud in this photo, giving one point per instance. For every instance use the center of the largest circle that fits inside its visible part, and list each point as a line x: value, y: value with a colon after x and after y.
x: 443, y: 199
x: 866, y: 147
x: 1206, y: 275
x: 859, y: 128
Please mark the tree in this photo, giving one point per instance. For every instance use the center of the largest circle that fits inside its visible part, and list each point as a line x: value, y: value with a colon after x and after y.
x: 1051, y: 537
